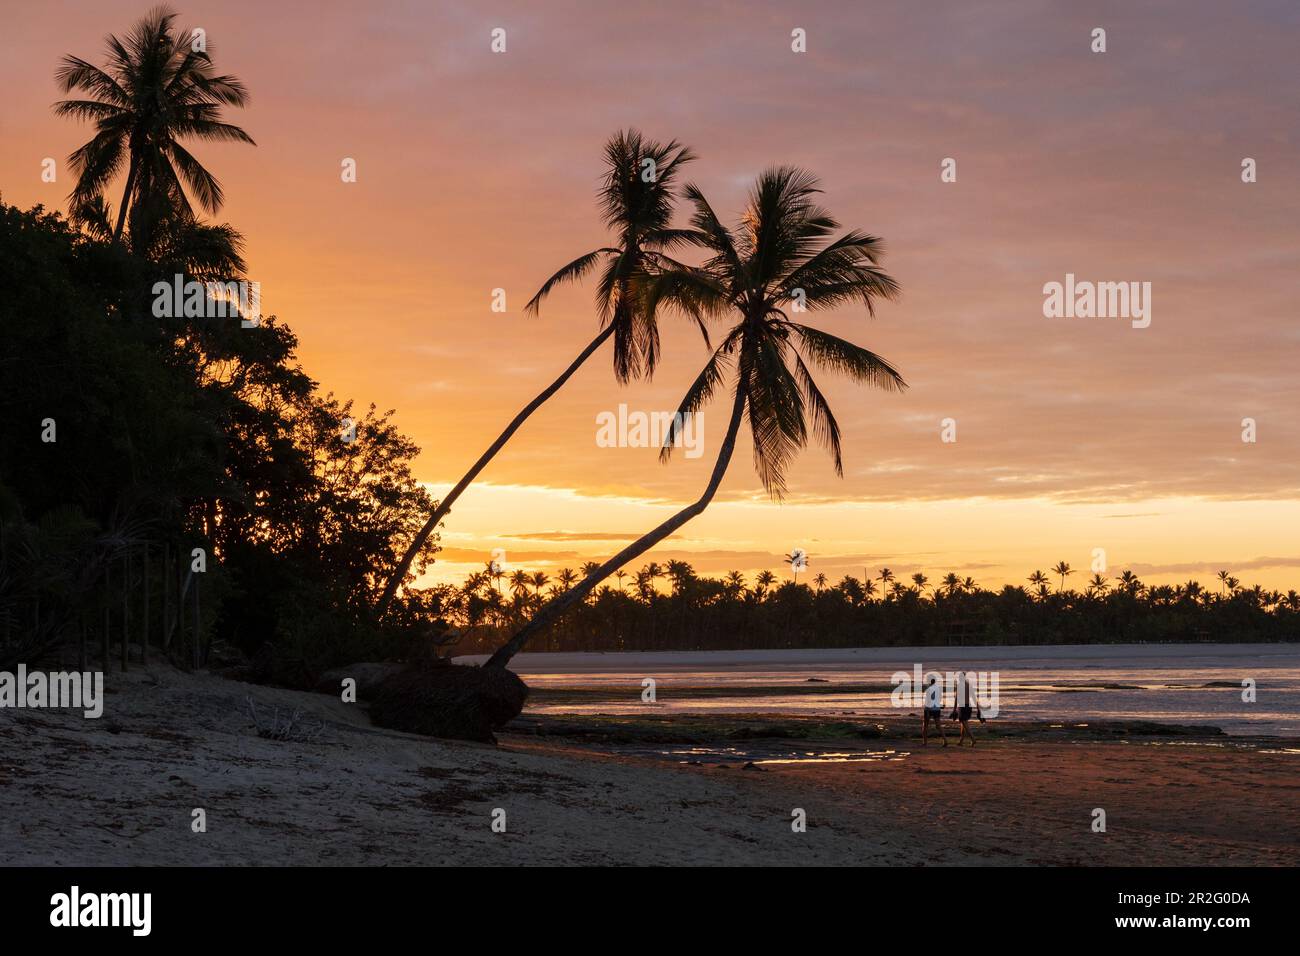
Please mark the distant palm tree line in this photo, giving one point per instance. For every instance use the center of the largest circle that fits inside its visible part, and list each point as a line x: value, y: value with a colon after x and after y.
x: 671, y: 607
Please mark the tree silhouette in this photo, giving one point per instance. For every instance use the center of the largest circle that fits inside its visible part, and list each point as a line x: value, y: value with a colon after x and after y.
x: 774, y: 261
x: 639, y: 210
x: 156, y: 90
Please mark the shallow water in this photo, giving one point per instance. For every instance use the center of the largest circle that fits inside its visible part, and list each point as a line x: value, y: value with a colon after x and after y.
x: 761, y: 755
x: 1062, y: 684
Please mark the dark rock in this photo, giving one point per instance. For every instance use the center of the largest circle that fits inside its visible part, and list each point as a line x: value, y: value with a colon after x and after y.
x: 871, y: 733
x: 455, y: 702
x: 368, y: 675
x: 750, y: 765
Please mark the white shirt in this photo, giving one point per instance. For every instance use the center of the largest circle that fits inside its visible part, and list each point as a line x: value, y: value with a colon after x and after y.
x: 934, y: 696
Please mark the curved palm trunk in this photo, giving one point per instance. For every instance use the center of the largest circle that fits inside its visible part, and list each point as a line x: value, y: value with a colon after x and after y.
x: 444, y: 506
x: 557, y: 606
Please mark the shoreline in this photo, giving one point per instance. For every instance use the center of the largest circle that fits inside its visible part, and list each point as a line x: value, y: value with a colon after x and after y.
x: 828, y: 656
x: 120, y: 790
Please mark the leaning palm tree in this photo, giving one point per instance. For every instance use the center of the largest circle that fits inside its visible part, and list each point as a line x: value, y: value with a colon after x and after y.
x: 157, y: 89
x: 636, y: 198
x: 776, y: 259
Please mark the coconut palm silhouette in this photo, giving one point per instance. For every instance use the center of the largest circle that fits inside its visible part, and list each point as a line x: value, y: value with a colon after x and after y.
x: 773, y: 261
x: 159, y: 87
x: 636, y: 198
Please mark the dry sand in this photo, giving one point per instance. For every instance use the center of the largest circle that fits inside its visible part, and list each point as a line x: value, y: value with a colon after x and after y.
x: 120, y: 790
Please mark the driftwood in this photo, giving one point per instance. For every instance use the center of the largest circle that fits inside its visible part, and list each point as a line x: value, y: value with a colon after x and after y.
x: 289, y: 725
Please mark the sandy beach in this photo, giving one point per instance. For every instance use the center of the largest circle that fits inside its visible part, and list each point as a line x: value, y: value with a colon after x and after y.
x: 121, y: 790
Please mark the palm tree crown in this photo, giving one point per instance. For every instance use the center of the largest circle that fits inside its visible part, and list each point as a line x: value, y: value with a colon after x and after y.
x: 636, y: 201
x: 157, y: 89
x: 772, y: 264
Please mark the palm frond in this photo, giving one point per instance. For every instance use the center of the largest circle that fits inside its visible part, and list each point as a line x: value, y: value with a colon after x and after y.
x: 825, y: 427
x: 833, y: 352
x: 75, y: 73
x: 776, y: 412
x: 698, y: 395
x: 201, y: 182
x: 572, y: 272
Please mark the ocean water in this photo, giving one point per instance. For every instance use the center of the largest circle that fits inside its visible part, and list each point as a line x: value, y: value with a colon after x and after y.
x: 1187, y: 684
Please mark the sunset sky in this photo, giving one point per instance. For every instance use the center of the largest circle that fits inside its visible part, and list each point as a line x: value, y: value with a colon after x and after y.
x: 477, y: 170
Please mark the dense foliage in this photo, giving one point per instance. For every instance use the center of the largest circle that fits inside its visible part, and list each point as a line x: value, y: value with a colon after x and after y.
x: 118, y: 428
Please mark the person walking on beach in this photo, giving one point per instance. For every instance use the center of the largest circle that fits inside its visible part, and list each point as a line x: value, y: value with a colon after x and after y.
x: 961, y: 711
x: 933, y: 711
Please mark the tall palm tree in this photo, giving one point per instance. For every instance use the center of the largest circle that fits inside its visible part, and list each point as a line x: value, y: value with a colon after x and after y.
x: 1063, y: 569
x: 520, y: 581
x: 156, y: 90
x: 1130, y: 583
x: 820, y: 581
x: 776, y: 258
x: 886, y: 578
x: 681, y: 573
x: 735, y: 583
x: 639, y: 210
